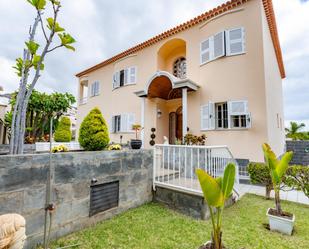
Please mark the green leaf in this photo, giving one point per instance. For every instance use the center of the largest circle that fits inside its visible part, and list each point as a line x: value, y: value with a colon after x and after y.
x: 66, y: 40
x: 19, y: 66
x: 50, y: 25
x: 55, y: 2
x: 211, y: 189
x: 35, y: 62
x: 228, y: 180
x: 32, y: 46
x: 284, y: 164
x: 38, y: 4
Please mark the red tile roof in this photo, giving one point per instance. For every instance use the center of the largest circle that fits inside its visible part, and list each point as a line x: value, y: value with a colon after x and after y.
x: 270, y: 15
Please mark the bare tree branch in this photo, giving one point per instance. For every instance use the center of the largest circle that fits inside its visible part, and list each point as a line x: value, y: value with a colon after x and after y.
x: 59, y: 46
x: 42, y: 25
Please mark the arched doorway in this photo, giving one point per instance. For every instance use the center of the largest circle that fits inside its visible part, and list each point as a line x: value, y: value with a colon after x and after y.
x: 175, y: 126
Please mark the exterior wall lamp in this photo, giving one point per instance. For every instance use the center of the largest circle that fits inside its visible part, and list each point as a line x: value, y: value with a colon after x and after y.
x: 159, y: 113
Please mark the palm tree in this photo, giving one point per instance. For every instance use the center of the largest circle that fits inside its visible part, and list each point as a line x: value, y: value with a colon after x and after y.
x: 293, y: 131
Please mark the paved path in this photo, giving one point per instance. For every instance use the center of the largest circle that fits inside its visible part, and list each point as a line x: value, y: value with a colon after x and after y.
x: 294, y: 196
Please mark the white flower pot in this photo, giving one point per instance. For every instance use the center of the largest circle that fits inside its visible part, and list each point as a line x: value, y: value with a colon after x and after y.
x: 280, y: 224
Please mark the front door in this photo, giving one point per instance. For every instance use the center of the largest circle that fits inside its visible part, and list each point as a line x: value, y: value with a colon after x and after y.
x: 175, y: 126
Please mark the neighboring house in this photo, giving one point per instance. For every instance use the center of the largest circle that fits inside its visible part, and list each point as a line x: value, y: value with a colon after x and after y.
x: 71, y: 114
x: 4, y: 108
x: 219, y: 73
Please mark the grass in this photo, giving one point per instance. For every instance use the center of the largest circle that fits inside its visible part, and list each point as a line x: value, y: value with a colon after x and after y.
x: 153, y: 226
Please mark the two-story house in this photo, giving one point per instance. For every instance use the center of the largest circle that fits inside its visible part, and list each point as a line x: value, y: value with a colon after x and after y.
x: 219, y: 74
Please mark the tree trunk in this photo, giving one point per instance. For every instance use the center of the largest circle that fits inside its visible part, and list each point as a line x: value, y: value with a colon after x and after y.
x: 268, y: 190
x: 277, y: 201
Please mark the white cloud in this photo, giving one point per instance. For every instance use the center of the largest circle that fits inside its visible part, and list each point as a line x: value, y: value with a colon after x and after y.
x: 104, y: 28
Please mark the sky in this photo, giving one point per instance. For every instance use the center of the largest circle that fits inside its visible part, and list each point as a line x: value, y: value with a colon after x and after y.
x: 106, y: 27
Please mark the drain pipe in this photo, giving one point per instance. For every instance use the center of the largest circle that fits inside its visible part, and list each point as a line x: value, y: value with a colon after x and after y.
x: 49, y: 207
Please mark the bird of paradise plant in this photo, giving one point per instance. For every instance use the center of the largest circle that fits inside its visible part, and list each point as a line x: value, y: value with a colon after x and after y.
x: 277, y: 169
x: 216, y: 191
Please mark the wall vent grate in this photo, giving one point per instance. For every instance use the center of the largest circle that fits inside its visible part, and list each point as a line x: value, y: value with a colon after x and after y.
x: 103, y: 197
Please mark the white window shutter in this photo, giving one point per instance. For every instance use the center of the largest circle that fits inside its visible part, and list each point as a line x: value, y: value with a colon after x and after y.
x: 123, y: 123
x: 126, y: 76
x: 114, y: 81
x: 235, y: 41
x: 132, y: 74
x: 91, y: 90
x: 117, y: 79
x: 219, y: 45
x: 97, y: 88
x: 238, y: 107
x: 112, y: 125
x: 212, y: 117
x: 205, y: 117
x: 206, y: 50
x: 248, y: 120
x: 131, y: 121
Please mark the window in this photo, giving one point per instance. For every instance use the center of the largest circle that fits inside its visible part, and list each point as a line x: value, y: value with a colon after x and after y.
x: 95, y: 91
x: 221, y: 116
x: 124, y: 77
x: 225, y: 43
x: 225, y: 115
x: 122, y: 123
x: 180, y: 68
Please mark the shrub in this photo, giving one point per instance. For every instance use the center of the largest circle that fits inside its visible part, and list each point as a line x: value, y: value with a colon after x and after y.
x: 63, y: 131
x: 191, y: 139
x: 114, y: 147
x: 93, y: 132
x: 259, y: 174
x: 60, y: 148
x: 298, y: 178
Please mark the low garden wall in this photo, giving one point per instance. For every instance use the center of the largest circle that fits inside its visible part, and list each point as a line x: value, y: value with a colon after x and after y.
x: 23, y: 186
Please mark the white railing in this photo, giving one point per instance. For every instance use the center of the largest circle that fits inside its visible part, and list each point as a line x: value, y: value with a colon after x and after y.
x: 44, y: 146
x: 83, y: 101
x: 243, y: 173
x: 175, y: 165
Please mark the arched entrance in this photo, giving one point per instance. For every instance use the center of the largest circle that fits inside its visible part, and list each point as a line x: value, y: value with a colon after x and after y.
x: 164, y: 106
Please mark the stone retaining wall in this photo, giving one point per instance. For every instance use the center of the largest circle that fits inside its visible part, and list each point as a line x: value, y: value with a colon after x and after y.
x: 23, y: 179
x: 188, y: 204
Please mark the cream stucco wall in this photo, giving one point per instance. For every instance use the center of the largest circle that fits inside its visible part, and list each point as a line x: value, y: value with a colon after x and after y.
x: 241, y: 77
x: 274, y: 96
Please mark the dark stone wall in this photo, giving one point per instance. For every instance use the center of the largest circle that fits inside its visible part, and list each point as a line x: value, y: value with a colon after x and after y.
x: 188, y: 204
x: 23, y: 186
x: 301, y: 152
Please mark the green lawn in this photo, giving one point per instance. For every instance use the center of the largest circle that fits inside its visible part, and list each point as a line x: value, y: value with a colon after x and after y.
x: 155, y: 227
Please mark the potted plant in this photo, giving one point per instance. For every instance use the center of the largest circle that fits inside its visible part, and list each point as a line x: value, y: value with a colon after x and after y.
x: 278, y: 220
x: 136, y: 143
x: 216, y: 191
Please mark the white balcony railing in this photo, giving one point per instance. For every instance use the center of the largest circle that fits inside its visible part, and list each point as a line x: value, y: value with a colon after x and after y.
x: 45, y: 146
x: 83, y: 100
x: 175, y: 165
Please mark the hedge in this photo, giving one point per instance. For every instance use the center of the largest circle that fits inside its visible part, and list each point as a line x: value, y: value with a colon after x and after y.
x: 297, y: 177
x: 93, y: 132
x: 63, y: 131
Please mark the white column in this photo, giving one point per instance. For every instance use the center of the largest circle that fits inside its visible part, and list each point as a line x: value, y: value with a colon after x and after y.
x: 184, y: 112
x: 143, y: 120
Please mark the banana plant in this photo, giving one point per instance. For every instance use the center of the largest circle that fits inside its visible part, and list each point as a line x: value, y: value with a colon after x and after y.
x: 277, y: 169
x: 216, y: 191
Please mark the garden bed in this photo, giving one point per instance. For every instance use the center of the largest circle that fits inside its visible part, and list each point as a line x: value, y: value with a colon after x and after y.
x: 153, y: 226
